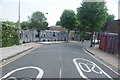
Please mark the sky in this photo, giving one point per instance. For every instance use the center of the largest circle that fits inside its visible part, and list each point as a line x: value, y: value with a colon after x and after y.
x: 54, y: 8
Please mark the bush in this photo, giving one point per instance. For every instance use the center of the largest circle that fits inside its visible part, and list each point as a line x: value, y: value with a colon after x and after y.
x: 85, y: 36
x: 0, y: 35
x: 9, y: 34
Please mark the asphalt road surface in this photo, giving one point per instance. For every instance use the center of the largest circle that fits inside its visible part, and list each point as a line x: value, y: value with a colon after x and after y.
x: 58, y: 61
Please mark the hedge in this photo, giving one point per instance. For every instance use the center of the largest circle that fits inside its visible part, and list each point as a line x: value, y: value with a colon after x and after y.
x: 9, y: 34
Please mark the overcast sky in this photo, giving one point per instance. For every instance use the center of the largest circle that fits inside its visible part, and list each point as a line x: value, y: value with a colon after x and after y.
x: 54, y: 8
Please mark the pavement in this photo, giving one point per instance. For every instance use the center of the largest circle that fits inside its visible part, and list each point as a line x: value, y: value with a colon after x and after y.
x: 8, y: 52
x: 109, y: 59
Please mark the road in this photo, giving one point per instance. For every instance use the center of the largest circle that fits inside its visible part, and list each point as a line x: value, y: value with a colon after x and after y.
x: 65, y: 60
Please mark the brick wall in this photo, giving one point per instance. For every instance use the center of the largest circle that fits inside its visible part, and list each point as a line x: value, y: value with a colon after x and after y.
x: 113, y: 26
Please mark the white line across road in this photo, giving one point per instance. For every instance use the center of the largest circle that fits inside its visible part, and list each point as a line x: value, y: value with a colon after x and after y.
x: 88, y: 63
x: 39, y: 76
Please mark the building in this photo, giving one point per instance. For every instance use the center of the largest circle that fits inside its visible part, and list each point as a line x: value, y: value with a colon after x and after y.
x: 56, y: 28
x: 113, y: 26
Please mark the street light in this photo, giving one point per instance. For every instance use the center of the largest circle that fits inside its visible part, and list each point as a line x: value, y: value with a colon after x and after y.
x: 46, y: 13
x: 19, y: 16
x: 19, y: 21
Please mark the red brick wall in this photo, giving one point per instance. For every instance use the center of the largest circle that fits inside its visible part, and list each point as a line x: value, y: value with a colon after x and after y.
x: 112, y: 27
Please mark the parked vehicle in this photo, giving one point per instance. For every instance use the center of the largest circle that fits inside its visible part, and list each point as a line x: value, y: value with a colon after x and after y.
x: 95, y: 41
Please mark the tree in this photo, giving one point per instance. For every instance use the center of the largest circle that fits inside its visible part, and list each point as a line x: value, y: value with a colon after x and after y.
x: 58, y: 23
x: 45, y: 24
x: 68, y: 20
x: 110, y: 18
x: 24, y: 25
x: 37, y: 21
x: 92, y: 16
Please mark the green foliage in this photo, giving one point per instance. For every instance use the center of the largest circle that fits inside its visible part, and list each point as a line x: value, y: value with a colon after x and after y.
x: 24, y: 25
x: 58, y: 23
x: 45, y: 24
x: 85, y: 35
x: 0, y: 34
x: 92, y: 15
x: 77, y: 26
x: 38, y: 21
x: 68, y: 19
x: 9, y: 34
x: 110, y: 18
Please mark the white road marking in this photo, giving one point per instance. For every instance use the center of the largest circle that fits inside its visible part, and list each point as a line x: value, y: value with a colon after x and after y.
x: 60, y: 59
x: 39, y: 76
x: 60, y: 73
x: 96, y: 71
x: 89, y: 70
x: 80, y: 69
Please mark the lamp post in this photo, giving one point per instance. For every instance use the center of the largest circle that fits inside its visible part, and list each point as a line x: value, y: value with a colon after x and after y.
x: 19, y: 16
x: 19, y: 21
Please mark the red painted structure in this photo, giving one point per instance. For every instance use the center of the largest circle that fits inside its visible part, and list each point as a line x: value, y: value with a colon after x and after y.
x: 110, y: 40
x: 109, y: 43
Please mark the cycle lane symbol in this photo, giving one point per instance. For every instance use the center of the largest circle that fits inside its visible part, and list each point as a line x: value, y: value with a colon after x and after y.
x: 39, y: 75
x: 85, y: 66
